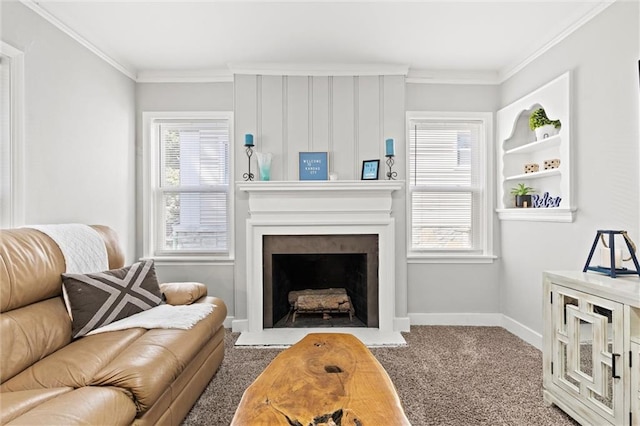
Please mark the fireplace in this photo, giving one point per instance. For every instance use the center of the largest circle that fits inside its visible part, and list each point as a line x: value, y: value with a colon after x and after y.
x: 337, y: 229
x: 301, y: 262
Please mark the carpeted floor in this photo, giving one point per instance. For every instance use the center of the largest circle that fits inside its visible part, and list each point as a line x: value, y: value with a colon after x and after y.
x: 444, y: 376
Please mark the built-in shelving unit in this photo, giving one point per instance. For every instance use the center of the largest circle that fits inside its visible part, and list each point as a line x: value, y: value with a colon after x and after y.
x: 518, y: 147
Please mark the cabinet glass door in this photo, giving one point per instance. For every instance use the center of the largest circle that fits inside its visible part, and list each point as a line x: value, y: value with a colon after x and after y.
x: 587, y: 350
x: 635, y: 382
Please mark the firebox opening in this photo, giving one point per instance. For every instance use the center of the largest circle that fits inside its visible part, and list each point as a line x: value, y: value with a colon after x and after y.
x: 345, y: 262
x: 320, y: 271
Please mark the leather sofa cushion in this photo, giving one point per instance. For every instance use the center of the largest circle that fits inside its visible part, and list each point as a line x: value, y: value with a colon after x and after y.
x: 16, y: 403
x: 85, y: 406
x: 76, y: 364
x: 31, y: 333
x: 151, y: 363
x: 183, y: 293
x: 30, y: 268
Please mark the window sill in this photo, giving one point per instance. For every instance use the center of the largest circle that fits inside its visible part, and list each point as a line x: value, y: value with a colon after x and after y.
x: 190, y: 259
x: 451, y: 258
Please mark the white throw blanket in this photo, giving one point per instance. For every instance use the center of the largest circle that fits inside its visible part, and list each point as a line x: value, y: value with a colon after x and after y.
x: 182, y: 317
x: 83, y: 248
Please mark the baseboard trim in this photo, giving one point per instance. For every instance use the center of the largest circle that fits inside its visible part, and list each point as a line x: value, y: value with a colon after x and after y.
x: 480, y: 320
x: 238, y: 325
x: 472, y: 319
x: 530, y: 336
x: 401, y: 324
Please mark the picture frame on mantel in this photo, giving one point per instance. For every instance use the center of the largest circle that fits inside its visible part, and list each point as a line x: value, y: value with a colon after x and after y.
x: 313, y: 166
x: 370, y: 169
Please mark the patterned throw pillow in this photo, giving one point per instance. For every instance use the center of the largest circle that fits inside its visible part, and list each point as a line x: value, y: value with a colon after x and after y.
x: 101, y: 298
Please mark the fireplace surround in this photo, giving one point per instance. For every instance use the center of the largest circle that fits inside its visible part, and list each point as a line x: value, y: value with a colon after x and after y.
x: 319, y: 208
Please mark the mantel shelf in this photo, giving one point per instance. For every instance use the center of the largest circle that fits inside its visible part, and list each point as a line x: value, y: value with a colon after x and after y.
x: 325, y: 185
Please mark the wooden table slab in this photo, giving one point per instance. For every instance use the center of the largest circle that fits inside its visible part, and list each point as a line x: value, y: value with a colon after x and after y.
x: 324, y: 379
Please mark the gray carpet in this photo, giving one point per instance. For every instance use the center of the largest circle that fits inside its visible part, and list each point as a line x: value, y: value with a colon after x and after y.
x: 444, y: 376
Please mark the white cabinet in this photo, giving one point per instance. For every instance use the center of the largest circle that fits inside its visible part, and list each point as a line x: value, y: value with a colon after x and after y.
x: 635, y: 381
x: 518, y: 147
x: 591, y: 347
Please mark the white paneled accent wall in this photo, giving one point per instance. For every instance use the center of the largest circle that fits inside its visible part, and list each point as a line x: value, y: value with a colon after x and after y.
x: 347, y: 116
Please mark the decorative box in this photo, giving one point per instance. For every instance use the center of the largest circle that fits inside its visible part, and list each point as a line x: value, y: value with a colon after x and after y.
x: 552, y: 164
x: 532, y: 167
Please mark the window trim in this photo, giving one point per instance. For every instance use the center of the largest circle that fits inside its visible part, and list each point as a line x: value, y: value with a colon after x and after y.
x: 15, y: 160
x: 485, y: 254
x: 150, y: 171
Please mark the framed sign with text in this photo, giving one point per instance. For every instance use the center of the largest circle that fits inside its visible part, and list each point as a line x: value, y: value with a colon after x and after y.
x: 370, y: 169
x: 313, y: 166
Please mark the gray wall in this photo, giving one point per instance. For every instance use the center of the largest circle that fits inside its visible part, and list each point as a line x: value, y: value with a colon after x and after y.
x: 79, y: 124
x: 82, y: 152
x: 603, y: 57
x: 453, y: 288
x: 218, y: 276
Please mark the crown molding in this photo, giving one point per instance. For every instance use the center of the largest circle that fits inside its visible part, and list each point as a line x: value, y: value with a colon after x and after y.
x: 33, y: 5
x: 417, y: 76
x: 423, y: 76
x: 335, y: 70
x: 200, y: 76
x: 506, y: 73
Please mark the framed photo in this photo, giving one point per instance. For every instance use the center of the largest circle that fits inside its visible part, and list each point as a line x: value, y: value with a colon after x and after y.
x: 313, y: 166
x: 370, y: 169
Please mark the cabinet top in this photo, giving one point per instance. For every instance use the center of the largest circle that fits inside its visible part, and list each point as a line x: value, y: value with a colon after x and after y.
x: 624, y: 289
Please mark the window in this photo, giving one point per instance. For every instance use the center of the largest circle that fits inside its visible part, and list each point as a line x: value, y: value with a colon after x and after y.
x: 188, y: 189
x: 449, y: 191
x: 11, y: 137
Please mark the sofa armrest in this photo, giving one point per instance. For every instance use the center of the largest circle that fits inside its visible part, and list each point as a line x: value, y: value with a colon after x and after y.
x: 183, y: 293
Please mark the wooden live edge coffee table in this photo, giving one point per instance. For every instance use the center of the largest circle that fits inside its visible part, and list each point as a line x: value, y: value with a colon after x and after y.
x: 324, y: 379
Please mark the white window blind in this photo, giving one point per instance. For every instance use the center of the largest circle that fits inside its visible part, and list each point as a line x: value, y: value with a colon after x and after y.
x: 192, y: 203
x: 5, y: 145
x: 446, y: 184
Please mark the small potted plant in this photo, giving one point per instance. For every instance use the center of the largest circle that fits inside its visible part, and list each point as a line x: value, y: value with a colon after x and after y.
x: 523, y: 195
x: 541, y: 125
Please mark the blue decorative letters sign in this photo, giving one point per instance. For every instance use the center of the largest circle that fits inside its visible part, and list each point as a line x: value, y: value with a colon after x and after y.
x: 313, y: 166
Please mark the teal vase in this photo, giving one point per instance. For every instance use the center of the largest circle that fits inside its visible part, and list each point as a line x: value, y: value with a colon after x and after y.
x: 264, y: 165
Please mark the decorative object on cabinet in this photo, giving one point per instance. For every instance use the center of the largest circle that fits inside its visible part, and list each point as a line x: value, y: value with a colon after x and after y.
x: 248, y: 143
x: 523, y: 195
x: 551, y: 164
x: 615, y: 256
x: 518, y: 146
x: 370, y: 169
x: 531, y: 168
x: 542, y: 126
x: 313, y: 166
x: 264, y: 165
x: 590, y: 347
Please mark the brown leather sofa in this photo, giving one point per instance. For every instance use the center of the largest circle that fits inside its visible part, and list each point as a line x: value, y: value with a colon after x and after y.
x: 133, y: 376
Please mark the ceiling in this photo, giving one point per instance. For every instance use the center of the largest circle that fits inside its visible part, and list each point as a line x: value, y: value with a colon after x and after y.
x: 486, y: 39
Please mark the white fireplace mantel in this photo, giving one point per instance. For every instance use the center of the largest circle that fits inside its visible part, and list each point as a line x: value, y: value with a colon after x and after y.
x: 319, y: 208
x: 319, y: 198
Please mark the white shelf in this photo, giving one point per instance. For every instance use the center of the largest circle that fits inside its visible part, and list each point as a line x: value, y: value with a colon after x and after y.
x: 551, y: 214
x: 534, y: 175
x: 550, y: 142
